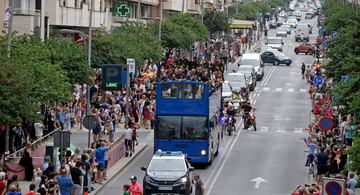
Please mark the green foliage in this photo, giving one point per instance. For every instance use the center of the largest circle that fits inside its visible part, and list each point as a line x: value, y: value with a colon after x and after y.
x: 344, y: 52
x: 130, y: 40
x: 247, y: 11
x: 216, y: 21
x: 354, y: 155
x: 29, y: 79
x: 72, y: 58
x: 181, y: 30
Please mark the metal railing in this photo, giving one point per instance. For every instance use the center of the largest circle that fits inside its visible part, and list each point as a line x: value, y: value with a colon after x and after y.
x: 17, y: 154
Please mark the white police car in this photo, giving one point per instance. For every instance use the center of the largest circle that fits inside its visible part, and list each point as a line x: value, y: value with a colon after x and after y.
x: 168, y: 173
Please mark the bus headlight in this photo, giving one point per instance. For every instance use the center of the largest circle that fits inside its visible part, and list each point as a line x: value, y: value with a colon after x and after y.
x: 203, y: 152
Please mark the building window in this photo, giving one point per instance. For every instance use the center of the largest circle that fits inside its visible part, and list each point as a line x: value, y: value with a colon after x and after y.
x: 146, y: 11
x: 17, y: 4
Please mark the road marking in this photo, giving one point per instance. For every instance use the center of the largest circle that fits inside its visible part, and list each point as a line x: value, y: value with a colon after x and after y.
x: 291, y: 90
x: 225, y: 152
x: 288, y: 84
x: 257, y: 95
x: 222, y: 165
x: 264, y: 129
x: 258, y: 181
x: 266, y: 89
x: 280, y: 131
x: 278, y: 89
x: 254, y: 102
x: 302, y: 90
x: 264, y: 82
x: 298, y: 130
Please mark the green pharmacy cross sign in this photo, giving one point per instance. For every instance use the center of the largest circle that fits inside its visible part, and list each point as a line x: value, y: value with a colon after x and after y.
x: 123, y: 10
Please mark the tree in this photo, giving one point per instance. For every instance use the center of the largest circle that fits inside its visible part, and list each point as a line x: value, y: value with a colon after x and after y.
x: 181, y: 30
x: 72, y: 58
x: 216, y: 21
x: 29, y: 80
x: 130, y: 40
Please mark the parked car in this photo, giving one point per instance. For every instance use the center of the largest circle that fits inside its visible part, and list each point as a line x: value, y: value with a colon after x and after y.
x: 226, y: 93
x: 281, y: 32
x: 280, y: 22
x: 237, y: 81
x: 253, y: 59
x: 272, y: 24
x: 275, y: 43
x: 306, y: 48
x: 302, y: 37
x: 309, y: 15
x: 275, y: 57
x: 293, y: 22
x: 250, y: 75
x: 287, y: 27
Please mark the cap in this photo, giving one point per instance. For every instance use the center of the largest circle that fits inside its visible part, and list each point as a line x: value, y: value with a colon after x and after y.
x: 133, y: 177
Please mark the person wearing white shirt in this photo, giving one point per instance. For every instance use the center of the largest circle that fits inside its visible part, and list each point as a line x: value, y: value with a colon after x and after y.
x: 128, y: 140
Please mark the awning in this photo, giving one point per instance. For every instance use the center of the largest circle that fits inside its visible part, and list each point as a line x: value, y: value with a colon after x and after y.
x: 242, y: 24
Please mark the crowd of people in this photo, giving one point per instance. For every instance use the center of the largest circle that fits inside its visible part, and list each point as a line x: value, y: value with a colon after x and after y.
x: 326, y: 146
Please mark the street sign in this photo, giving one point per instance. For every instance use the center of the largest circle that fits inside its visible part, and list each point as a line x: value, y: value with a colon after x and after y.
x: 318, y: 80
x: 114, y: 76
x: 122, y: 10
x: 326, y: 124
x: 65, y: 136
x: 131, y: 65
x: 89, y: 122
x: 345, y: 78
x: 333, y: 186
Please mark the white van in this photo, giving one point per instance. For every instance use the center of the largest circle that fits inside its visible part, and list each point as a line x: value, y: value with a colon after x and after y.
x: 275, y: 43
x: 253, y: 59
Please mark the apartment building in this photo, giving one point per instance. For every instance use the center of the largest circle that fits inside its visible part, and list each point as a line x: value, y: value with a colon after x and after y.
x: 45, y: 17
x: 27, y: 18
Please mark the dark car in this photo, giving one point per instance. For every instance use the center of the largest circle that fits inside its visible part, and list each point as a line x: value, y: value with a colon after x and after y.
x: 302, y: 38
x: 168, y: 173
x: 275, y: 57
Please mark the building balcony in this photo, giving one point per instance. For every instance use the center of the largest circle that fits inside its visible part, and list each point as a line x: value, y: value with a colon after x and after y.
x: 173, y: 5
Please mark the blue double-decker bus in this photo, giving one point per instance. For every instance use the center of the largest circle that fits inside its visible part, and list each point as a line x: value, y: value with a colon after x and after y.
x: 187, y: 119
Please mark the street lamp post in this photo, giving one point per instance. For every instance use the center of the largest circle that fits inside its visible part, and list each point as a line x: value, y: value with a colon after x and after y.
x: 89, y: 63
x: 160, y: 18
x: 138, y: 11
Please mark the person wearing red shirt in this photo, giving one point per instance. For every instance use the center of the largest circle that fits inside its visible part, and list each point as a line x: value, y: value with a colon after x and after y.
x: 135, y: 187
x: 31, y: 190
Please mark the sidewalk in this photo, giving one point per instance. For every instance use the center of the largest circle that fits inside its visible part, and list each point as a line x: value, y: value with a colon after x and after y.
x: 111, y: 172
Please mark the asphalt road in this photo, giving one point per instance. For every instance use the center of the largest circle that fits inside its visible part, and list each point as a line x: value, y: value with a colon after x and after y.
x: 274, y: 155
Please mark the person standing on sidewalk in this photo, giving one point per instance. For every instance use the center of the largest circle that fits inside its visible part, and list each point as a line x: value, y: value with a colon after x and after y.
x: 199, y: 186
x: 128, y: 141
x: 65, y: 182
x: 77, y: 177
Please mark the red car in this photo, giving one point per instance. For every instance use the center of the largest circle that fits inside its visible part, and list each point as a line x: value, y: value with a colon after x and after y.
x: 306, y: 48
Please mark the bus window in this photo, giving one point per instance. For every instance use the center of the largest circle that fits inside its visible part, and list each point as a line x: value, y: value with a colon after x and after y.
x: 169, y: 127
x: 198, y: 90
x: 186, y: 92
x: 194, y: 127
x: 169, y: 91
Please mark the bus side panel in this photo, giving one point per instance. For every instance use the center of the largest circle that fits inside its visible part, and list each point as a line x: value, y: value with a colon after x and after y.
x: 192, y: 148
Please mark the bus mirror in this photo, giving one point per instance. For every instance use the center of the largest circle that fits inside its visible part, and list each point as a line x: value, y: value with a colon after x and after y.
x: 212, y: 124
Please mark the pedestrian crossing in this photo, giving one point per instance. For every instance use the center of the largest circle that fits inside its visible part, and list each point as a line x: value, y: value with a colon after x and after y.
x: 295, y: 130
x: 279, y: 89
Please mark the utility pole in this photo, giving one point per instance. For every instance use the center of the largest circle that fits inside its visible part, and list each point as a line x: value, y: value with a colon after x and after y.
x: 202, y: 10
x: 183, y: 6
x: 160, y: 18
x: 138, y: 11
x: 11, y: 12
x: 88, y: 112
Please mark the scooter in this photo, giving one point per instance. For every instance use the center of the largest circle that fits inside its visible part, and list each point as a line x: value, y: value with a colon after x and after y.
x: 249, y: 120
